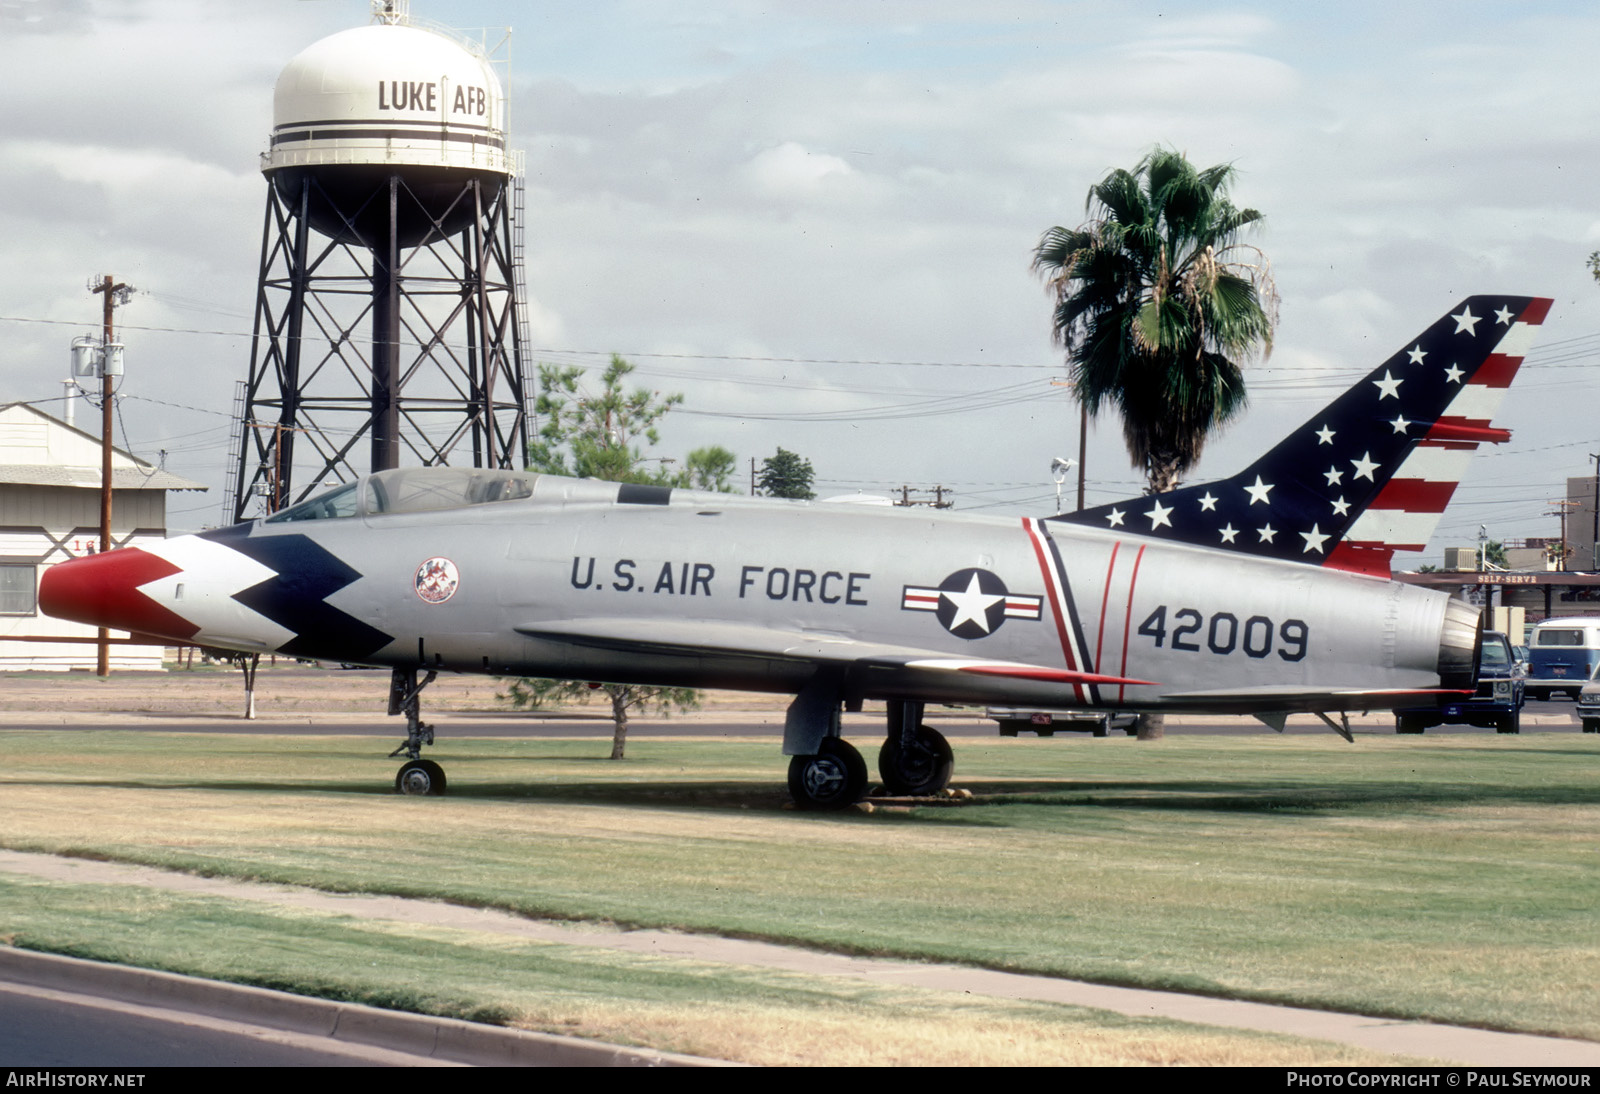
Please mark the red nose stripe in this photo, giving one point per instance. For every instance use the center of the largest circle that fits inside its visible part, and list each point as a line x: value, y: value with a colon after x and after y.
x: 104, y: 590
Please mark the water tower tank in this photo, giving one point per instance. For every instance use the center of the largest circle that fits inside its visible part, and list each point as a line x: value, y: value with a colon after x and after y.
x: 388, y: 99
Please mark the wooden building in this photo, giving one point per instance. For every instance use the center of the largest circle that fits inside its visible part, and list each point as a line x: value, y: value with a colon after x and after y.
x: 50, y: 512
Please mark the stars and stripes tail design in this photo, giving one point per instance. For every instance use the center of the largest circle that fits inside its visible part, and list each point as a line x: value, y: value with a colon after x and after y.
x: 1062, y: 613
x: 1371, y: 473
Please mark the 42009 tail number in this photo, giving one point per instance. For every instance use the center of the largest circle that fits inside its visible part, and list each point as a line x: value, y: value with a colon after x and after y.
x: 1223, y: 634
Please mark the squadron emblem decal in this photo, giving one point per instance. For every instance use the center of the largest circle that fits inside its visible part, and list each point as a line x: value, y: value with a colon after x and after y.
x: 971, y: 603
x: 437, y: 580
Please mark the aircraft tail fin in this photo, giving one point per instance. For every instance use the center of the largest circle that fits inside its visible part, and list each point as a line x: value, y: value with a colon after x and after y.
x: 1371, y: 473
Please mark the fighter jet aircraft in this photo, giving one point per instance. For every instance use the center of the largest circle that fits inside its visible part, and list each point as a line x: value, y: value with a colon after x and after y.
x: 1266, y: 593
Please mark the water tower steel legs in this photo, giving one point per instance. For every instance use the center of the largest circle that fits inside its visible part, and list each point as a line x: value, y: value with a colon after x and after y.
x: 412, y: 346
x: 386, y: 277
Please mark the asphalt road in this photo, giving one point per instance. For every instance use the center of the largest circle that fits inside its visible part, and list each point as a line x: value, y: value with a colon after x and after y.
x: 68, y: 1030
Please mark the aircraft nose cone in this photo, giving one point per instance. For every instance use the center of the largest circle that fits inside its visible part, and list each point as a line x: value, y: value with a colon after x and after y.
x: 103, y: 590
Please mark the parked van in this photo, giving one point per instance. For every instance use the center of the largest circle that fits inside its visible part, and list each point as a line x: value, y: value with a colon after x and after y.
x: 1562, y: 655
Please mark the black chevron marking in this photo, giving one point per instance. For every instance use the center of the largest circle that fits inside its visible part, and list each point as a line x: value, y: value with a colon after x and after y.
x: 295, y: 597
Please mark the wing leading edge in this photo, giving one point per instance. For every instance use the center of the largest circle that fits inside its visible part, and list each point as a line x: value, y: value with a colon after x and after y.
x: 723, y: 640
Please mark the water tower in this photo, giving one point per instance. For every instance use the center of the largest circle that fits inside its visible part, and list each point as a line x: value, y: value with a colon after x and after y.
x: 389, y: 313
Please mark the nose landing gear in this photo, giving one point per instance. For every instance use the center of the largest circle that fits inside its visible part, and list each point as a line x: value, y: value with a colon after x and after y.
x: 417, y: 776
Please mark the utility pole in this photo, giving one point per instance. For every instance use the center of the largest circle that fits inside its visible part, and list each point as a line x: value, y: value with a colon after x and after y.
x: 1595, y: 561
x: 1562, y: 508
x: 1083, y: 440
x: 938, y: 493
x: 113, y: 294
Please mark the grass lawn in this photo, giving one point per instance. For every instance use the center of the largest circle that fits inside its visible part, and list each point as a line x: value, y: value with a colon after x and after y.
x: 1452, y: 878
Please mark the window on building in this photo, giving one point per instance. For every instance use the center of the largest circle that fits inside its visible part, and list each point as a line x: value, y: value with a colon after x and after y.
x: 19, y: 584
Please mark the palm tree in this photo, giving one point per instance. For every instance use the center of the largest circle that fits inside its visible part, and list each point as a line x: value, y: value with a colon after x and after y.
x: 1157, y: 305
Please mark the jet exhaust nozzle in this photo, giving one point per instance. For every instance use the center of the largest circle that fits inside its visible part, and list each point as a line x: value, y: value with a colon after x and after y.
x: 1460, y: 639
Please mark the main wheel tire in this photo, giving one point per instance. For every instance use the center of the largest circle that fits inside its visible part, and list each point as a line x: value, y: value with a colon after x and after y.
x: 1508, y: 723
x: 1407, y: 724
x: 420, y: 778
x: 1591, y: 725
x: 834, y: 778
x: 923, y: 769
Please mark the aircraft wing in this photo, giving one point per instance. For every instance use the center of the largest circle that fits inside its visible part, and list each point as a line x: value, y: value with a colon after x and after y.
x: 694, y: 638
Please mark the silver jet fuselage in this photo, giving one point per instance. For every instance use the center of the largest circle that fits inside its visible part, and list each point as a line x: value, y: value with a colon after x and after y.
x: 590, y: 580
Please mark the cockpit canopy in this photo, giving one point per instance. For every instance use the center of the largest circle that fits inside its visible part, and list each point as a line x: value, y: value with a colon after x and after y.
x: 412, y: 490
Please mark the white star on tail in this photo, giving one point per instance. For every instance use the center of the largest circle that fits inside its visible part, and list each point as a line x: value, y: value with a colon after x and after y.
x: 1388, y: 386
x: 1258, y: 492
x: 972, y: 605
x: 1364, y: 467
x: 1314, y: 539
x: 1466, y: 321
x: 1158, y: 516
x: 1503, y: 316
x: 1416, y: 353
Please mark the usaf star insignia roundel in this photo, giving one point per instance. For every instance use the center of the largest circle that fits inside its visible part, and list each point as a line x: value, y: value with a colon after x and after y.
x: 971, y: 603
x: 437, y: 580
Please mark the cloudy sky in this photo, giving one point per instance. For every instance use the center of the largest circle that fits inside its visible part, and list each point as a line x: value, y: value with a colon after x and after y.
x: 815, y: 220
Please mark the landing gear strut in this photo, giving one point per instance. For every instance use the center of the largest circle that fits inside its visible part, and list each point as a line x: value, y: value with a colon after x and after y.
x: 915, y: 760
x: 417, y: 776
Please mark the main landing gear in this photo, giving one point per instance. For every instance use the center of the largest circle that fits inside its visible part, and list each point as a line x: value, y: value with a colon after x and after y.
x: 914, y: 761
x: 417, y: 776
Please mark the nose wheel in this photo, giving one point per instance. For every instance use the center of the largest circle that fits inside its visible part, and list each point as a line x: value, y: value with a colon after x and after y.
x: 420, y: 778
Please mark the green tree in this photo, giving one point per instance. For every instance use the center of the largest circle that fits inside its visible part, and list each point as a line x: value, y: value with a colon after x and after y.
x: 533, y: 693
x: 710, y: 468
x: 598, y: 435
x: 606, y: 435
x: 786, y: 475
x: 1157, y: 305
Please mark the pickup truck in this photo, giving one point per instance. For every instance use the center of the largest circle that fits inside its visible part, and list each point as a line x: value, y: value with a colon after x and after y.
x: 1496, y: 704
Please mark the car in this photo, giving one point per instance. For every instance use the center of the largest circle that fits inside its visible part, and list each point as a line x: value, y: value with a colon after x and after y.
x: 1497, y: 703
x: 1589, y: 703
x: 1045, y: 723
x: 1563, y: 652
